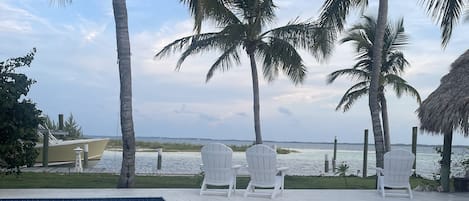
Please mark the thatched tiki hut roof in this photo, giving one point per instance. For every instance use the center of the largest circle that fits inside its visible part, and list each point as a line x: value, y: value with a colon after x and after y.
x: 447, y: 108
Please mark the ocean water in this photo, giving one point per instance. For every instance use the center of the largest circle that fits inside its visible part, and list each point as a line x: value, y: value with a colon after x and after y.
x: 308, y: 160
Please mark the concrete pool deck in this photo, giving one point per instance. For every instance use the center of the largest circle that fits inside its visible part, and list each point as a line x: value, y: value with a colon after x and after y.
x: 172, y: 194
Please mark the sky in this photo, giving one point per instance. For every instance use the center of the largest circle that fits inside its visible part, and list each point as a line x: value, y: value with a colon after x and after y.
x: 77, y: 73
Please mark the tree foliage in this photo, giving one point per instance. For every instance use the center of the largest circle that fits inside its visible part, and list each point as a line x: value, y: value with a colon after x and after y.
x: 70, y: 125
x: 244, y: 28
x: 19, y: 117
x: 393, y: 63
x: 50, y: 124
x: 333, y: 15
x: 362, y: 36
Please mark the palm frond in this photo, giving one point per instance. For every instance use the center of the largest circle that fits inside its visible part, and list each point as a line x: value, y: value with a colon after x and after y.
x: 221, y: 41
x: 306, y: 35
x: 363, y: 63
x: 400, y: 38
x: 353, y: 73
x: 215, y: 10
x: 265, y: 12
x: 60, y: 3
x: 334, y: 12
x: 322, y: 43
x: 446, y: 13
x: 466, y: 19
x: 404, y: 88
x: 362, y: 36
x: 395, y: 38
x: 392, y: 78
x: 395, y: 63
x: 180, y: 44
x: 332, y: 18
x: 225, y: 61
x: 279, y: 54
x: 351, y: 95
x: 359, y: 39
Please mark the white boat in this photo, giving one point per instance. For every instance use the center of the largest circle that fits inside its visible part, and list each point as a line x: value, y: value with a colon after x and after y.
x: 61, y: 151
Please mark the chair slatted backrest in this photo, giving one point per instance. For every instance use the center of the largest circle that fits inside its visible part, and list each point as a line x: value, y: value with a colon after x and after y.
x: 262, y: 165
x: 217, y: 165
x: 398, y: 167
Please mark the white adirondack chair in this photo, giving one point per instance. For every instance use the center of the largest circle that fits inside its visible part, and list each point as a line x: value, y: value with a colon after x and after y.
x: 262, y: 168
x: 218, y: 169
x: 397, y: 170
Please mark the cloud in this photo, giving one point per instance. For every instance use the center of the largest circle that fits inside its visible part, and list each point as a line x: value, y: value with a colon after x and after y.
x: 284, y: 111
x: 90, y: 29
x: 306, y: 94
x: 191, y: 111
x: 15, y: 20
x: 22, y: 21
x: 241, y: 114
x: 15, y: 26
x: 201, y: 115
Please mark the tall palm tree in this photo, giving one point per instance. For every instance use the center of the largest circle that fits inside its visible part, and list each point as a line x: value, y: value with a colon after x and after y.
x: 127, y: 175
x: 333, y: 16
x: 447, y: 13
x: 393, y: 65
x: 243, y: 23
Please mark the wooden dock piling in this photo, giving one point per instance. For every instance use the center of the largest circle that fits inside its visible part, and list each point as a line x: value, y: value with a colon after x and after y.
x: 45, y: 149
x: 414, y: 148
x: 335, y: 155
x: 365, y: 154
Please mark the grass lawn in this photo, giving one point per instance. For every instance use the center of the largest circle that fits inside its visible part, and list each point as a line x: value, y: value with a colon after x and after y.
x: 88, y: 180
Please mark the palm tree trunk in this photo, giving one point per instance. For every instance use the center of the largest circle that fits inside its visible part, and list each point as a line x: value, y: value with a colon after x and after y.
x: 446, y: 161
x: 127, y: 175
x: 255, y: 93
x: 384, y: 116
x: 374, y: 83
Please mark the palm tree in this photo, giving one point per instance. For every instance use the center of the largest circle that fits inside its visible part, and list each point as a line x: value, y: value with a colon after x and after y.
x: 127, y: 175
x: 393, y: 65
x: 447, y: 14
x: 243, y: 23
x: 333, y: 16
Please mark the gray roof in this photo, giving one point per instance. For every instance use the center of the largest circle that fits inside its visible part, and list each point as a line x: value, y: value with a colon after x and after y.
x: 447, y: 108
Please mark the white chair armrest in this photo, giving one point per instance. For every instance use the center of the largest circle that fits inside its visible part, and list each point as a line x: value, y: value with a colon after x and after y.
x: 236, y: 168
x: 379, y: 171
x: 282, y: 169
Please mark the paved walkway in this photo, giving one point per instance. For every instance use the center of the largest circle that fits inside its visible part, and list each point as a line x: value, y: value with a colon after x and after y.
x: 193, y: 195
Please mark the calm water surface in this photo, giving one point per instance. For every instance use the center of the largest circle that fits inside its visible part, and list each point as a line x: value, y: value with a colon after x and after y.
x: 309, y: 159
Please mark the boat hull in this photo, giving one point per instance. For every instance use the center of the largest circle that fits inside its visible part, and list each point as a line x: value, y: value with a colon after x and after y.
x: 63, y: 152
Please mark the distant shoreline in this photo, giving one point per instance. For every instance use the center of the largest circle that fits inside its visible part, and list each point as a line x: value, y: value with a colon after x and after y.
x: 266, y: 141
x: 153, y: 146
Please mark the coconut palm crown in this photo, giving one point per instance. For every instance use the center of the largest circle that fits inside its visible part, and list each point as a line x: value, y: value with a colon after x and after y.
x: 393, y: 65
x: 243, y: 24
x: 333, y: 15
